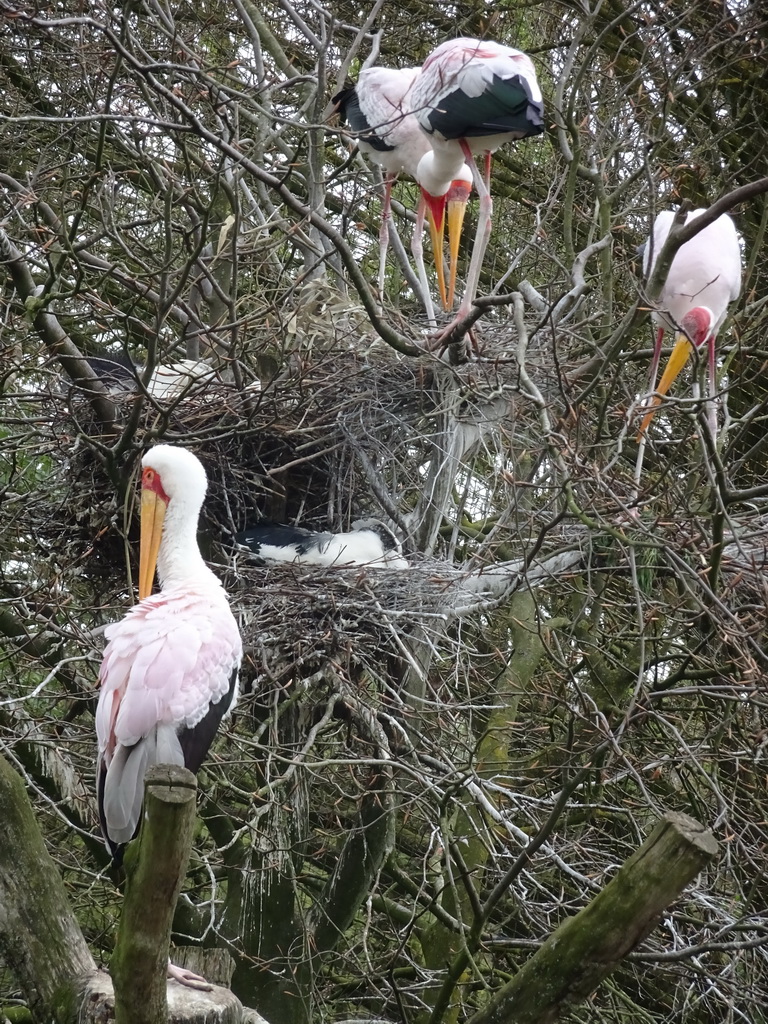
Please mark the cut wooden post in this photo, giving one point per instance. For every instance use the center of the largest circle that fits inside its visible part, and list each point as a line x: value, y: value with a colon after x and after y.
x: 587, y: 947
x: 155, y: 869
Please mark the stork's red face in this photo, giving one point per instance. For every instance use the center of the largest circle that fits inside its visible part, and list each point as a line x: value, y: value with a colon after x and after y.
x: 455, y: 203
x: 696, y: 328
x: 154, y: 503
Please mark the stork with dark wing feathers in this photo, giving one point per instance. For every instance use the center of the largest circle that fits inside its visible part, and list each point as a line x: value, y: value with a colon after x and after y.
x: 471, y: 96
x: 170, y: 667
x: 369, y: 542
x: 377, y: 109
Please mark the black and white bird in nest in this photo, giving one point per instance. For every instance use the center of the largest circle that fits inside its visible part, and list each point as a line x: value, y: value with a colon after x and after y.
x: 184, y: 378
x: 369, y: 542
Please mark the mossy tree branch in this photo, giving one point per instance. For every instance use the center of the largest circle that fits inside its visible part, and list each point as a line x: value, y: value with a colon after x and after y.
x: 54, y: 337
x: 586, y: 948
x: 39, y: 936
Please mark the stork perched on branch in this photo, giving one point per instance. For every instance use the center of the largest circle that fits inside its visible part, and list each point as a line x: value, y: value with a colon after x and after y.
x: 170, y: 667
x: 704, y: 278
x: 377, y: 109
x: 470, y: 97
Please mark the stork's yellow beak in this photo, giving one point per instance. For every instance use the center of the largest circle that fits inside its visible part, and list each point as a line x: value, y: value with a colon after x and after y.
x: 153, y: 510
x: 436, y: 219
x: 455, y: 203
x: 677, y: 360
x: 458, y: 197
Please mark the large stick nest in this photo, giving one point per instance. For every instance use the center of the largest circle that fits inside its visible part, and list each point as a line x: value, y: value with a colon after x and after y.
x: 322, y: 446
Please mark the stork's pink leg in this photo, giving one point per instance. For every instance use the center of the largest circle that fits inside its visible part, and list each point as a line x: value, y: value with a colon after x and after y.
x: 386, y: 220
x: 652, y: 402
x: 712, y: 405
x: 656, y: 358
x: 417, y: 251
x: 483, y: 230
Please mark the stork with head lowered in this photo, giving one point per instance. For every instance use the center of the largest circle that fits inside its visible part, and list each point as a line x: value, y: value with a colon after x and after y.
x: 471, y: 96
x: 377, y: 109
x: 704, y: 279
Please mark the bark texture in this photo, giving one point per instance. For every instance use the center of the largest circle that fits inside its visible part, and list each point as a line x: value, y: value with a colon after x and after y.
x: 587, y: 947
x: 39, y: 936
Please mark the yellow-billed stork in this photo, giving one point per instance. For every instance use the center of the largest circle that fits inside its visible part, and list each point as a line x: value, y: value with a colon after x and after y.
x: 470, y: 97
x: 170, y: 667
x: 370, y: 542
x: 377, y: 109
x: 704, y: 278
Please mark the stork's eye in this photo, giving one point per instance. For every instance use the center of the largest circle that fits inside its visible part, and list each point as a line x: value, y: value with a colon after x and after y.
x: 151, y: 480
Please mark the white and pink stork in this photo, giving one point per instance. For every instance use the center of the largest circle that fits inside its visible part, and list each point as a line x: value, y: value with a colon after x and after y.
x: 470, y: 97
x: 703, y: 279
x: 170, y: 667
x: 377, y: 109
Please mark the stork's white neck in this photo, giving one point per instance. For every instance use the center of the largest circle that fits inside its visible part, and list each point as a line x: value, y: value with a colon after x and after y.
x: 179, y: 560
x: 439, y: 167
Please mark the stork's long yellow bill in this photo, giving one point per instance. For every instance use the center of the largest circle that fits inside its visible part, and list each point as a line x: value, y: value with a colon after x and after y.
x: 153, y: 510
x: 456, y: 208
x: 437, y: 234
x: 677, y: 360
x: 452, y: 208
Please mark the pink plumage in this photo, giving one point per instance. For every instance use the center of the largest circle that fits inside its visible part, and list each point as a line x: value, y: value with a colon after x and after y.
x: 169, y: 672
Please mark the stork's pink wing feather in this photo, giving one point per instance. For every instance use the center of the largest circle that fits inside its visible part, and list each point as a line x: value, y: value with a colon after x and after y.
x: 471, y: 65
x: 167, y: 661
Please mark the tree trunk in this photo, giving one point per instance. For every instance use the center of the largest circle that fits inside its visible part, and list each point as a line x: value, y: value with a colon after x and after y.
x: 39, y: 936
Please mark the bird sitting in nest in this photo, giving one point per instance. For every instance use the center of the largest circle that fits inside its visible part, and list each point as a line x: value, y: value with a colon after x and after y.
x: 370, y: 542
x: 184, y: 378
